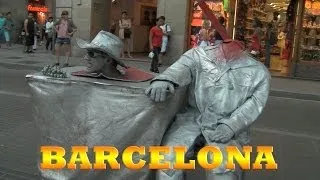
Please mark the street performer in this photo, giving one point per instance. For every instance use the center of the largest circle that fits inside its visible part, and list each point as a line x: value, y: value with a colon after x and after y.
x: 228, y: 89
x: 103, y: 54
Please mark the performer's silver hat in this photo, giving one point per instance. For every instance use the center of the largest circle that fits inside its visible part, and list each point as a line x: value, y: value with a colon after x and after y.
x: 105, y: 42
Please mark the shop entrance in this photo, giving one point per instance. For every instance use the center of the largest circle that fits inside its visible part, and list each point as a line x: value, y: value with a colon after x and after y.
x: 248, y: 21
x: 223, y: 9
x: 263, y: 25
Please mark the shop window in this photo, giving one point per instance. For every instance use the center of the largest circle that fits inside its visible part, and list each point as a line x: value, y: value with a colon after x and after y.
x: 310, y: 39
x: 218, y: 7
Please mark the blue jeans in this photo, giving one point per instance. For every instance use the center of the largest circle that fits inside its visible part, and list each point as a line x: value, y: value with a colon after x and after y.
x: 268, y: 54
x: 7, y: 35
x: 62, y: 41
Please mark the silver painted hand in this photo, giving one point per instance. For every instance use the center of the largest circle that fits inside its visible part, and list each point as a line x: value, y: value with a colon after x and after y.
x: 158, y: 90
x: 222, y: 134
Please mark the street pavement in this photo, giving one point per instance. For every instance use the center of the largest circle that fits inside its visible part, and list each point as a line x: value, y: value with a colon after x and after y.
x: 290, y: 122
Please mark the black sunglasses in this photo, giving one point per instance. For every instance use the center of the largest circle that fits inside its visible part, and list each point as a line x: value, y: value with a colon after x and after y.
x: 94, y: 54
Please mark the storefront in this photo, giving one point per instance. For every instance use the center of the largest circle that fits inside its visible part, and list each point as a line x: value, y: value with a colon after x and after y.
x: 306, y: 62
x: 221, y: 8
x: 296, y: 52
x: 39, y: 10
x: 266, y: 13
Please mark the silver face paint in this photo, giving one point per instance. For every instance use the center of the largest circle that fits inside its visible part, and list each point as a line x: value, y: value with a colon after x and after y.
x: 96, y: 61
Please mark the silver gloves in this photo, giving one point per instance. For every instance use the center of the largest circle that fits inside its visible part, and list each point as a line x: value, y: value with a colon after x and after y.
x: 222, y: 134
x: 158, y: 90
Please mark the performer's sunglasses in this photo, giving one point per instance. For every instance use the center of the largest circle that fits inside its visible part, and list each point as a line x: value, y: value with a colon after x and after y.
x: 94, y: 54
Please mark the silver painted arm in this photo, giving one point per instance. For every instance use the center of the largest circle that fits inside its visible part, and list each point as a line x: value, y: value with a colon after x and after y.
x: 247, y: 113
x: 181, y: 72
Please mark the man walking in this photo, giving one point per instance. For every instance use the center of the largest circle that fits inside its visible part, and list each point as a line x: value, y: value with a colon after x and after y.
x: 65, y: 29
x: 29, y: 29
x: 165, y: 39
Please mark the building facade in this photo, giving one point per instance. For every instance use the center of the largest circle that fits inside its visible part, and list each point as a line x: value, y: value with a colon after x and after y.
x: 185, y: 19
x: 91, y: 16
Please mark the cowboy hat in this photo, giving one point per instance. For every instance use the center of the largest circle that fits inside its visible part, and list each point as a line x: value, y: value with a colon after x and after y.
x: 105, y: 42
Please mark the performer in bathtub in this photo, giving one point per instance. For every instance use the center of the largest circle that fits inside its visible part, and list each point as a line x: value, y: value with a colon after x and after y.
x: 103, y: 54
x: 228, y: 90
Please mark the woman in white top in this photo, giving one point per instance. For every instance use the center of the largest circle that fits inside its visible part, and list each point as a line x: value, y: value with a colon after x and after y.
x: 125, y: 32
x: 49, y: 33
x: 36, y: 28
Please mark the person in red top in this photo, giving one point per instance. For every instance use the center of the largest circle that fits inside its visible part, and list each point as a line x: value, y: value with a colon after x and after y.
x: 155, y: 42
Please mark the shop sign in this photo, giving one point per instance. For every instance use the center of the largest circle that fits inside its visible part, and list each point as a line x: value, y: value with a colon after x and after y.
x: 37, y: 8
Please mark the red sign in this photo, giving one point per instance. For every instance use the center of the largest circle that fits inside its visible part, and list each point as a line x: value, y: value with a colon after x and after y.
x: 37, y: 8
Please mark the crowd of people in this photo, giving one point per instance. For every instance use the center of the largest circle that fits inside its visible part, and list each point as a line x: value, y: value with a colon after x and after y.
x: 62, y: 30
x: 159, y: 36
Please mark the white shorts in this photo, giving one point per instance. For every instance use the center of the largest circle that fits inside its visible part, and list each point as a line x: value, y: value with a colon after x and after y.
x: 164, y: 45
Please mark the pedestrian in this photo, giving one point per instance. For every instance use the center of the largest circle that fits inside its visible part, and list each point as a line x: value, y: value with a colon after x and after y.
x: 268, y: 45
x: 29, y: 29
x: 205, y: 34
x: 49, y: 33
x: 36, y: 33
x: 65, y: 29
x: 165, y: 39
x: 2, y: 21
x: 8, y: 28
x: 155, y: 42
x: 281, y: 40
x: 43, y: 32
x: 125, y: 32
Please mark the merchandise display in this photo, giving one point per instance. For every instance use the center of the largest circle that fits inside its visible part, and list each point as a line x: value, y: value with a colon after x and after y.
x: 219, y: 8
x: 310, y: 39
x: 241, y: 21
x: 247, y: 12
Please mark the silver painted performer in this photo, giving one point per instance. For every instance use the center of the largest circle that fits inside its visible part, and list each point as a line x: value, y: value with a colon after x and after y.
x: 227, y: 92
x: 225, y: 98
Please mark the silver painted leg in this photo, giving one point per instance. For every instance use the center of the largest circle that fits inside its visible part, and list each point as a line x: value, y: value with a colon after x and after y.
x: 178, y: 175
x: 224, y: 176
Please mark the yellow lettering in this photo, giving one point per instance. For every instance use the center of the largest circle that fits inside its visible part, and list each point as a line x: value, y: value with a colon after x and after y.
x: 265, y: 155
